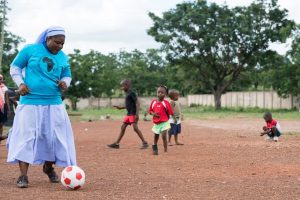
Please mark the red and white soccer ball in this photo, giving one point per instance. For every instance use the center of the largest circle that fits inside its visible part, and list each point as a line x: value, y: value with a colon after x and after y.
x: 73, y: 177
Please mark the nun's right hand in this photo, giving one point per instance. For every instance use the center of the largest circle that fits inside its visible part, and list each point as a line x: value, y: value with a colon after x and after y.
x: 23, y: 89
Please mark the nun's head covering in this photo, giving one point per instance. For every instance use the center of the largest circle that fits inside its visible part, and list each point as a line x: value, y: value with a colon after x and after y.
x: 51, y: 31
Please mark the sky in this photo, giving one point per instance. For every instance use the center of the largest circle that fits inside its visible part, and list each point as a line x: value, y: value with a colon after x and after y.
x: 104, y: 25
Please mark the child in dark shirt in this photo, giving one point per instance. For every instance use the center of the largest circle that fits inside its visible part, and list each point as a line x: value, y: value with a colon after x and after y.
x: 132, y: 117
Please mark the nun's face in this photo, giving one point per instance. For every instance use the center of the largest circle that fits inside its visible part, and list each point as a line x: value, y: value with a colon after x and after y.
x: 55, y: 43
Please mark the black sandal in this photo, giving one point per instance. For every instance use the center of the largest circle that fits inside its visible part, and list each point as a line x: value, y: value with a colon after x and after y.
x: 50, y: 173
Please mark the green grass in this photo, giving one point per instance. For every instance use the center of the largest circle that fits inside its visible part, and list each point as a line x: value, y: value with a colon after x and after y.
x: 292, y: 133
x: 202, y: 112
x: 95, y: 114
x: 196, y: 112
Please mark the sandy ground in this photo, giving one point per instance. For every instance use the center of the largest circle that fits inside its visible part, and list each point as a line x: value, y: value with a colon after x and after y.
x: 221, y: 159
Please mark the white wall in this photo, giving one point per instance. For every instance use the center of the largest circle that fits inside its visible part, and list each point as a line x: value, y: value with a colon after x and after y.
x: 269, y: 99
x: 260, y: 99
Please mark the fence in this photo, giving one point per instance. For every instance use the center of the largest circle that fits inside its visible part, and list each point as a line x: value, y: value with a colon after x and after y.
x: 108, y: 102
x: 269, y: 100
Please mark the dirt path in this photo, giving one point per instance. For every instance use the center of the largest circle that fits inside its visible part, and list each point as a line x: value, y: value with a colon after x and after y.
x: 221, y: 159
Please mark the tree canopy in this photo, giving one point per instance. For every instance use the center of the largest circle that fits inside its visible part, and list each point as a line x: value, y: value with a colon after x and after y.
x: 286, y: 77
x: 206, y: 48
x: 215, y: 43
x: 99, y: 75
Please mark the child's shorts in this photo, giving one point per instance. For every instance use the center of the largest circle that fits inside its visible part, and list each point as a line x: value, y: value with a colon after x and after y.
x: 276, y: 134
x: 129, y: 119
x: 158, y: 128
x: 175, y: 129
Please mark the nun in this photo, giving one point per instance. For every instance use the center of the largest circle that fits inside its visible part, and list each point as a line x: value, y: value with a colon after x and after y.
x: 42, y: 132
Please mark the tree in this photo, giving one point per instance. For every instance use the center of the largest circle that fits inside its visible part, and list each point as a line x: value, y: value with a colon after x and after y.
x: 146, y: 70
x: 80, y: 78
x: 261, y: 77
x: 176, y: 78
x: 105, y: 75
x: 94, y: 74
x: 286, y: 79
x: 3, y: 7
x: 10, y: 44
x: 214, y: 43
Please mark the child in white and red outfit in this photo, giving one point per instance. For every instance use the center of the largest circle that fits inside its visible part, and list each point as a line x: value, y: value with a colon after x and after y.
x: 175, y: 127
x: 272, y: 129
x: 3, y: 107
x: 161, y: 110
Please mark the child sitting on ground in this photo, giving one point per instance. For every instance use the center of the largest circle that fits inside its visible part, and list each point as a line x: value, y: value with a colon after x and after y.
x: 272, y: 130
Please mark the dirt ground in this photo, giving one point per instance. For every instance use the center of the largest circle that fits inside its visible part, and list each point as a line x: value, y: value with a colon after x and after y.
x: 220, y: 159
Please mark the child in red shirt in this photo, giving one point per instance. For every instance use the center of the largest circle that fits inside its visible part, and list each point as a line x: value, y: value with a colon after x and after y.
x: 161, y: 110
x: 272, y: 130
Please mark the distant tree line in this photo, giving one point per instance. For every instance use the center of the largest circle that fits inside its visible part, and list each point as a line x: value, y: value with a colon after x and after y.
x: 206, y: 48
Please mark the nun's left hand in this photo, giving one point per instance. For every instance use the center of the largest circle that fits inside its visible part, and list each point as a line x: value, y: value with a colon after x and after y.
x: 62, y: 85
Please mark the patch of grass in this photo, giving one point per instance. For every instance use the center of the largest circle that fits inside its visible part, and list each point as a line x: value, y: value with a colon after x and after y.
x: 95, y: 114
x: 207, y: 112
x: 292, y: 133
x: 194, y: 112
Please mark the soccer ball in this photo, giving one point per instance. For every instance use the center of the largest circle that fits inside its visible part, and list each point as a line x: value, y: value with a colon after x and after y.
x: 72, y: 177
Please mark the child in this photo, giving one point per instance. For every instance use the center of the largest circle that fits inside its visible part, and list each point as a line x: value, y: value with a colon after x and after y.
x: 132, y: 118
x: 175, y: 127
x: 161, y: 110
x: 3, y: 107
x: 272, y: 130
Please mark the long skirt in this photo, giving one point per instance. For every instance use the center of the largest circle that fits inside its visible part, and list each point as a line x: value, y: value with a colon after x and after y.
x: 41, y: 133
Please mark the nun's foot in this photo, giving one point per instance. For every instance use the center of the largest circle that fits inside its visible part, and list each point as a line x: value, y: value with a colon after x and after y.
x: 49, y: 170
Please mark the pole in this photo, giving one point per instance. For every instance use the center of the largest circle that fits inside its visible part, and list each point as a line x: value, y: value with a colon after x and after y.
x: 2, y: 33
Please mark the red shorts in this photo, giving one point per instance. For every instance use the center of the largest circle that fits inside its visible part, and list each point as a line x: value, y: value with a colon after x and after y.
x: 129, y: 119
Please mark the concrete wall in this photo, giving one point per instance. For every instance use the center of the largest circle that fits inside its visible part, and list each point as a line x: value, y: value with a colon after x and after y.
x: 92, y: 102
x: 260, y: 99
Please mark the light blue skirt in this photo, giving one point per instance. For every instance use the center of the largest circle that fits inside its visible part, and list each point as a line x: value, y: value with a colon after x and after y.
x: 41, y: 133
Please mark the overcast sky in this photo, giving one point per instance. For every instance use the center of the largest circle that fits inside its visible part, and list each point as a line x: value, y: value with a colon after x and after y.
x: 102, y: 25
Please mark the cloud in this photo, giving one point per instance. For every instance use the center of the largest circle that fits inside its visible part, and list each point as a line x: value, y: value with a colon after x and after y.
x: 102, y: 25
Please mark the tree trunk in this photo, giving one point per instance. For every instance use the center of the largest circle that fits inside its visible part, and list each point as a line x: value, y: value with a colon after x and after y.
x: 73, y: 103
x: 217, y: 98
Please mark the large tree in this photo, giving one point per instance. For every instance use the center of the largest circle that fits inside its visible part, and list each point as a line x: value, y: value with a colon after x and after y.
x: 215, y: 43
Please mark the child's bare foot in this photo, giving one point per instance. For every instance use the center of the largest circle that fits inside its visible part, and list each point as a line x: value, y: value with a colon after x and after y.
x: 178, y: 143
x: 170, y: 144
